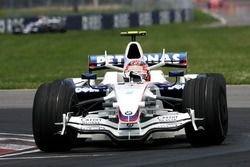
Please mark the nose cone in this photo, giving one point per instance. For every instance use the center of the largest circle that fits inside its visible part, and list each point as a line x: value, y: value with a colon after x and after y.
x: 129, y: 110
x: 128, y: 99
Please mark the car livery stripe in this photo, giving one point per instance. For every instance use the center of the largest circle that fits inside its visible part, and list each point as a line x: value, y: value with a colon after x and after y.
x: 130, y: 118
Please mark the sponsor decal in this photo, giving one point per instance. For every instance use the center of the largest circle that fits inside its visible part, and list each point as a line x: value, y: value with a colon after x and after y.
x: 91, y: 121
x: 113, y: 59
x: 86, y: 90
x: 128, y: 113
x: 93, y: 128
x: 167, y: 118
x: 176, y: 87
x: 172, y: 58
x: 168, y: 125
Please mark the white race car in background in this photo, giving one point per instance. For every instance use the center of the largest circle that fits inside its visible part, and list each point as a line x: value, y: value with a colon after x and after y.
x: 43, y: 24
x: 132, y: 102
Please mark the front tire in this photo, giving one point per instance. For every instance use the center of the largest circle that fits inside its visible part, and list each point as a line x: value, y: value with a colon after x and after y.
x: 51, y: 101
x: 207, y: 96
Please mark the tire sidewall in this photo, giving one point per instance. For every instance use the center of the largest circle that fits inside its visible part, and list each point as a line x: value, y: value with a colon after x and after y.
x: 207, y: 96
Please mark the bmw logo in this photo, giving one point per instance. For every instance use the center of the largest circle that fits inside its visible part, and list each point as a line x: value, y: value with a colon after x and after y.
x: 128, y: 112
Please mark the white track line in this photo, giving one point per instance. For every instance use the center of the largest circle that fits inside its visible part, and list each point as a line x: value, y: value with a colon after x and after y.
x: 16, y: 147
x: 55, y: 156
x: 11, y: 145
x: 14, y: 134
x: 18, y: 139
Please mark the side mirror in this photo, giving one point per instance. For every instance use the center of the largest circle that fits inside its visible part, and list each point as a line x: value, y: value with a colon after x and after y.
x: 176, y: 73
x: 88, y: 76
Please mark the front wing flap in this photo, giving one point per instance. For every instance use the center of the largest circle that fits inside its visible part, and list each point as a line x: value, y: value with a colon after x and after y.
x: 128, y: 131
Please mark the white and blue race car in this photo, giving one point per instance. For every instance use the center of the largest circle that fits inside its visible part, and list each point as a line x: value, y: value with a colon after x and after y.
x: 41, y: 25
x: 132, y: 102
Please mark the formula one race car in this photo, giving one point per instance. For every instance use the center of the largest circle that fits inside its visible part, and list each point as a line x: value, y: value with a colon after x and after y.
x: 43, y: 24
x: 132, y: 102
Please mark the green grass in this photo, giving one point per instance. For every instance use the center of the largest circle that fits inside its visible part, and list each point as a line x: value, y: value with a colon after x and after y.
x: 26, y: 61
x: 62, y: 11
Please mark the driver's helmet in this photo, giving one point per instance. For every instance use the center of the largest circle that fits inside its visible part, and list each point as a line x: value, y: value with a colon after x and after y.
x: 137, y: 67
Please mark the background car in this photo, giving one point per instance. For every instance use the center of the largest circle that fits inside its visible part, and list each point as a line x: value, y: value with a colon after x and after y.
x: 43, y: 24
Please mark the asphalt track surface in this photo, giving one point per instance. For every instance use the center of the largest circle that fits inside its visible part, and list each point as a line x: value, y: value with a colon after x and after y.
x: 17, y: 146
x: 235, y: 151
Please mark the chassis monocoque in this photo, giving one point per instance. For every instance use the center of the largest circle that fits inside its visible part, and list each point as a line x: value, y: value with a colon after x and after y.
x: 132, y: 102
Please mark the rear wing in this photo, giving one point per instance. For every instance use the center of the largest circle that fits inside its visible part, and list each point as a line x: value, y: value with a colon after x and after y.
x: 97, y: 62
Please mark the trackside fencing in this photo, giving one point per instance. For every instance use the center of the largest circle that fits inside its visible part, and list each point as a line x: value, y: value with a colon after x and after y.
x: 109, y: 21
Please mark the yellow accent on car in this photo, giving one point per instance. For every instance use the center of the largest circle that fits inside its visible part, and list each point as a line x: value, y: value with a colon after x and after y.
x: 129, y: 33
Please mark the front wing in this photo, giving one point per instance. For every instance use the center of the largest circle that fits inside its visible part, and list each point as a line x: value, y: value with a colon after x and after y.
x: 128, y: 131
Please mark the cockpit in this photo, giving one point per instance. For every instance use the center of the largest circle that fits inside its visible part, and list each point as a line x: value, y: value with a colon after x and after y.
x: 136, y: 69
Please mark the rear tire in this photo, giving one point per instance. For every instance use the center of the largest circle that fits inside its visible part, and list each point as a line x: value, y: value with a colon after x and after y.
x: 51, y: 101
x: 207, y: 96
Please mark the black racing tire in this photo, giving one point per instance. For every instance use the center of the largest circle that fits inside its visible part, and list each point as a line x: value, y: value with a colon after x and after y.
x: 51, y: 101
x: 207, y: 96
